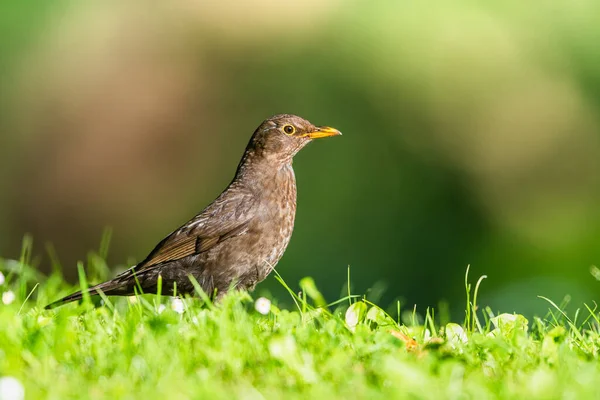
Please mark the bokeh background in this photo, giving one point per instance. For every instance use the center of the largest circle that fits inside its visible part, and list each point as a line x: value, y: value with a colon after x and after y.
x: 471, y: 136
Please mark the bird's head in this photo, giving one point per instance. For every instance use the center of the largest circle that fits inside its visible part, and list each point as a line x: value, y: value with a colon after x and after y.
x: 280, y: 137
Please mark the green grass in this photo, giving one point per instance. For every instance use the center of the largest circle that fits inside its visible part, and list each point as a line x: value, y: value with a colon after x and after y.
x: 141, y: 347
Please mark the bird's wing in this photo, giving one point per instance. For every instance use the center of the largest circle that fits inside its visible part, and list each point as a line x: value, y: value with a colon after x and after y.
x: 226, y: 217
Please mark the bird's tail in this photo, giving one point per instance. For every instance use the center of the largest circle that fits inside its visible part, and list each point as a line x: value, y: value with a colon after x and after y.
x: 112, y: 287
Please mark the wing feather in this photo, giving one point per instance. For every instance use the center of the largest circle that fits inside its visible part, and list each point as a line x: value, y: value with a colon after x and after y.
x: 228, y: 216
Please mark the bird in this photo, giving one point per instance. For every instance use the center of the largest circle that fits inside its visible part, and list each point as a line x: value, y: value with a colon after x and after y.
x: 237, y: 240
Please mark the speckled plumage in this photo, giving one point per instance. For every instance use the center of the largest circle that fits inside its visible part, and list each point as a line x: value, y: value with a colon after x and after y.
x: 236, y: 240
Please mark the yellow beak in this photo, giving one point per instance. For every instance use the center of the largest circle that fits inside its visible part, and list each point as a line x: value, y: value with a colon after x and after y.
x: 323, y: 131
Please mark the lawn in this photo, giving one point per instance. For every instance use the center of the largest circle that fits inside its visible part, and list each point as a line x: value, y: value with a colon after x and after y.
x: 147, y: 347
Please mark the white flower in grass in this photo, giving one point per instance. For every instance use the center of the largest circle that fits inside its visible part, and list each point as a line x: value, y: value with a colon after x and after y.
x: 263, y: 305
x: 178, y: 305
x: 427, y: 335
x: 455, y: 334
x: 161, y: 308
x: 8, y: 297
x: 11, y: 389
x: 2, y: 279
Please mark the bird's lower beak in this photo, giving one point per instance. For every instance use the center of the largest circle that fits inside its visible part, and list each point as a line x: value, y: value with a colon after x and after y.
x: 323, y: 131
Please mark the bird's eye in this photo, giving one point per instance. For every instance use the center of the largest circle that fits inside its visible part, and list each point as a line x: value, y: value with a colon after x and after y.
x: 289, y: 129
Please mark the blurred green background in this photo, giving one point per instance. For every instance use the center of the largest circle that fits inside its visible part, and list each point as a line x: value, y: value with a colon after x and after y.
x: 471, y: 136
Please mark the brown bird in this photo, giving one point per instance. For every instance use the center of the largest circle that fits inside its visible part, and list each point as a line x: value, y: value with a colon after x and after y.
x: 238, y: 239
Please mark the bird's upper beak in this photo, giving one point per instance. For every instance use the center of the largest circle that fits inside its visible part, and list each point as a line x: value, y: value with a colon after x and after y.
x: 323, y: 131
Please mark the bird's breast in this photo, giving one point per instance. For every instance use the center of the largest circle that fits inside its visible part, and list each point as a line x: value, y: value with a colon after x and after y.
x: 277, y: 214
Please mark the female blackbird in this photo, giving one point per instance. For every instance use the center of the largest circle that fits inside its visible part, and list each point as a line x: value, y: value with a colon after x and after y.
x: 237, y: 240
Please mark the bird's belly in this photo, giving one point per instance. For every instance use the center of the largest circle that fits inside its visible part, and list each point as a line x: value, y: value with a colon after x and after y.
x: 271, y: 241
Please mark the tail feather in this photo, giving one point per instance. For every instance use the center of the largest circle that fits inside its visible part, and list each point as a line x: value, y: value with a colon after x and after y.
x: 109, y: 288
